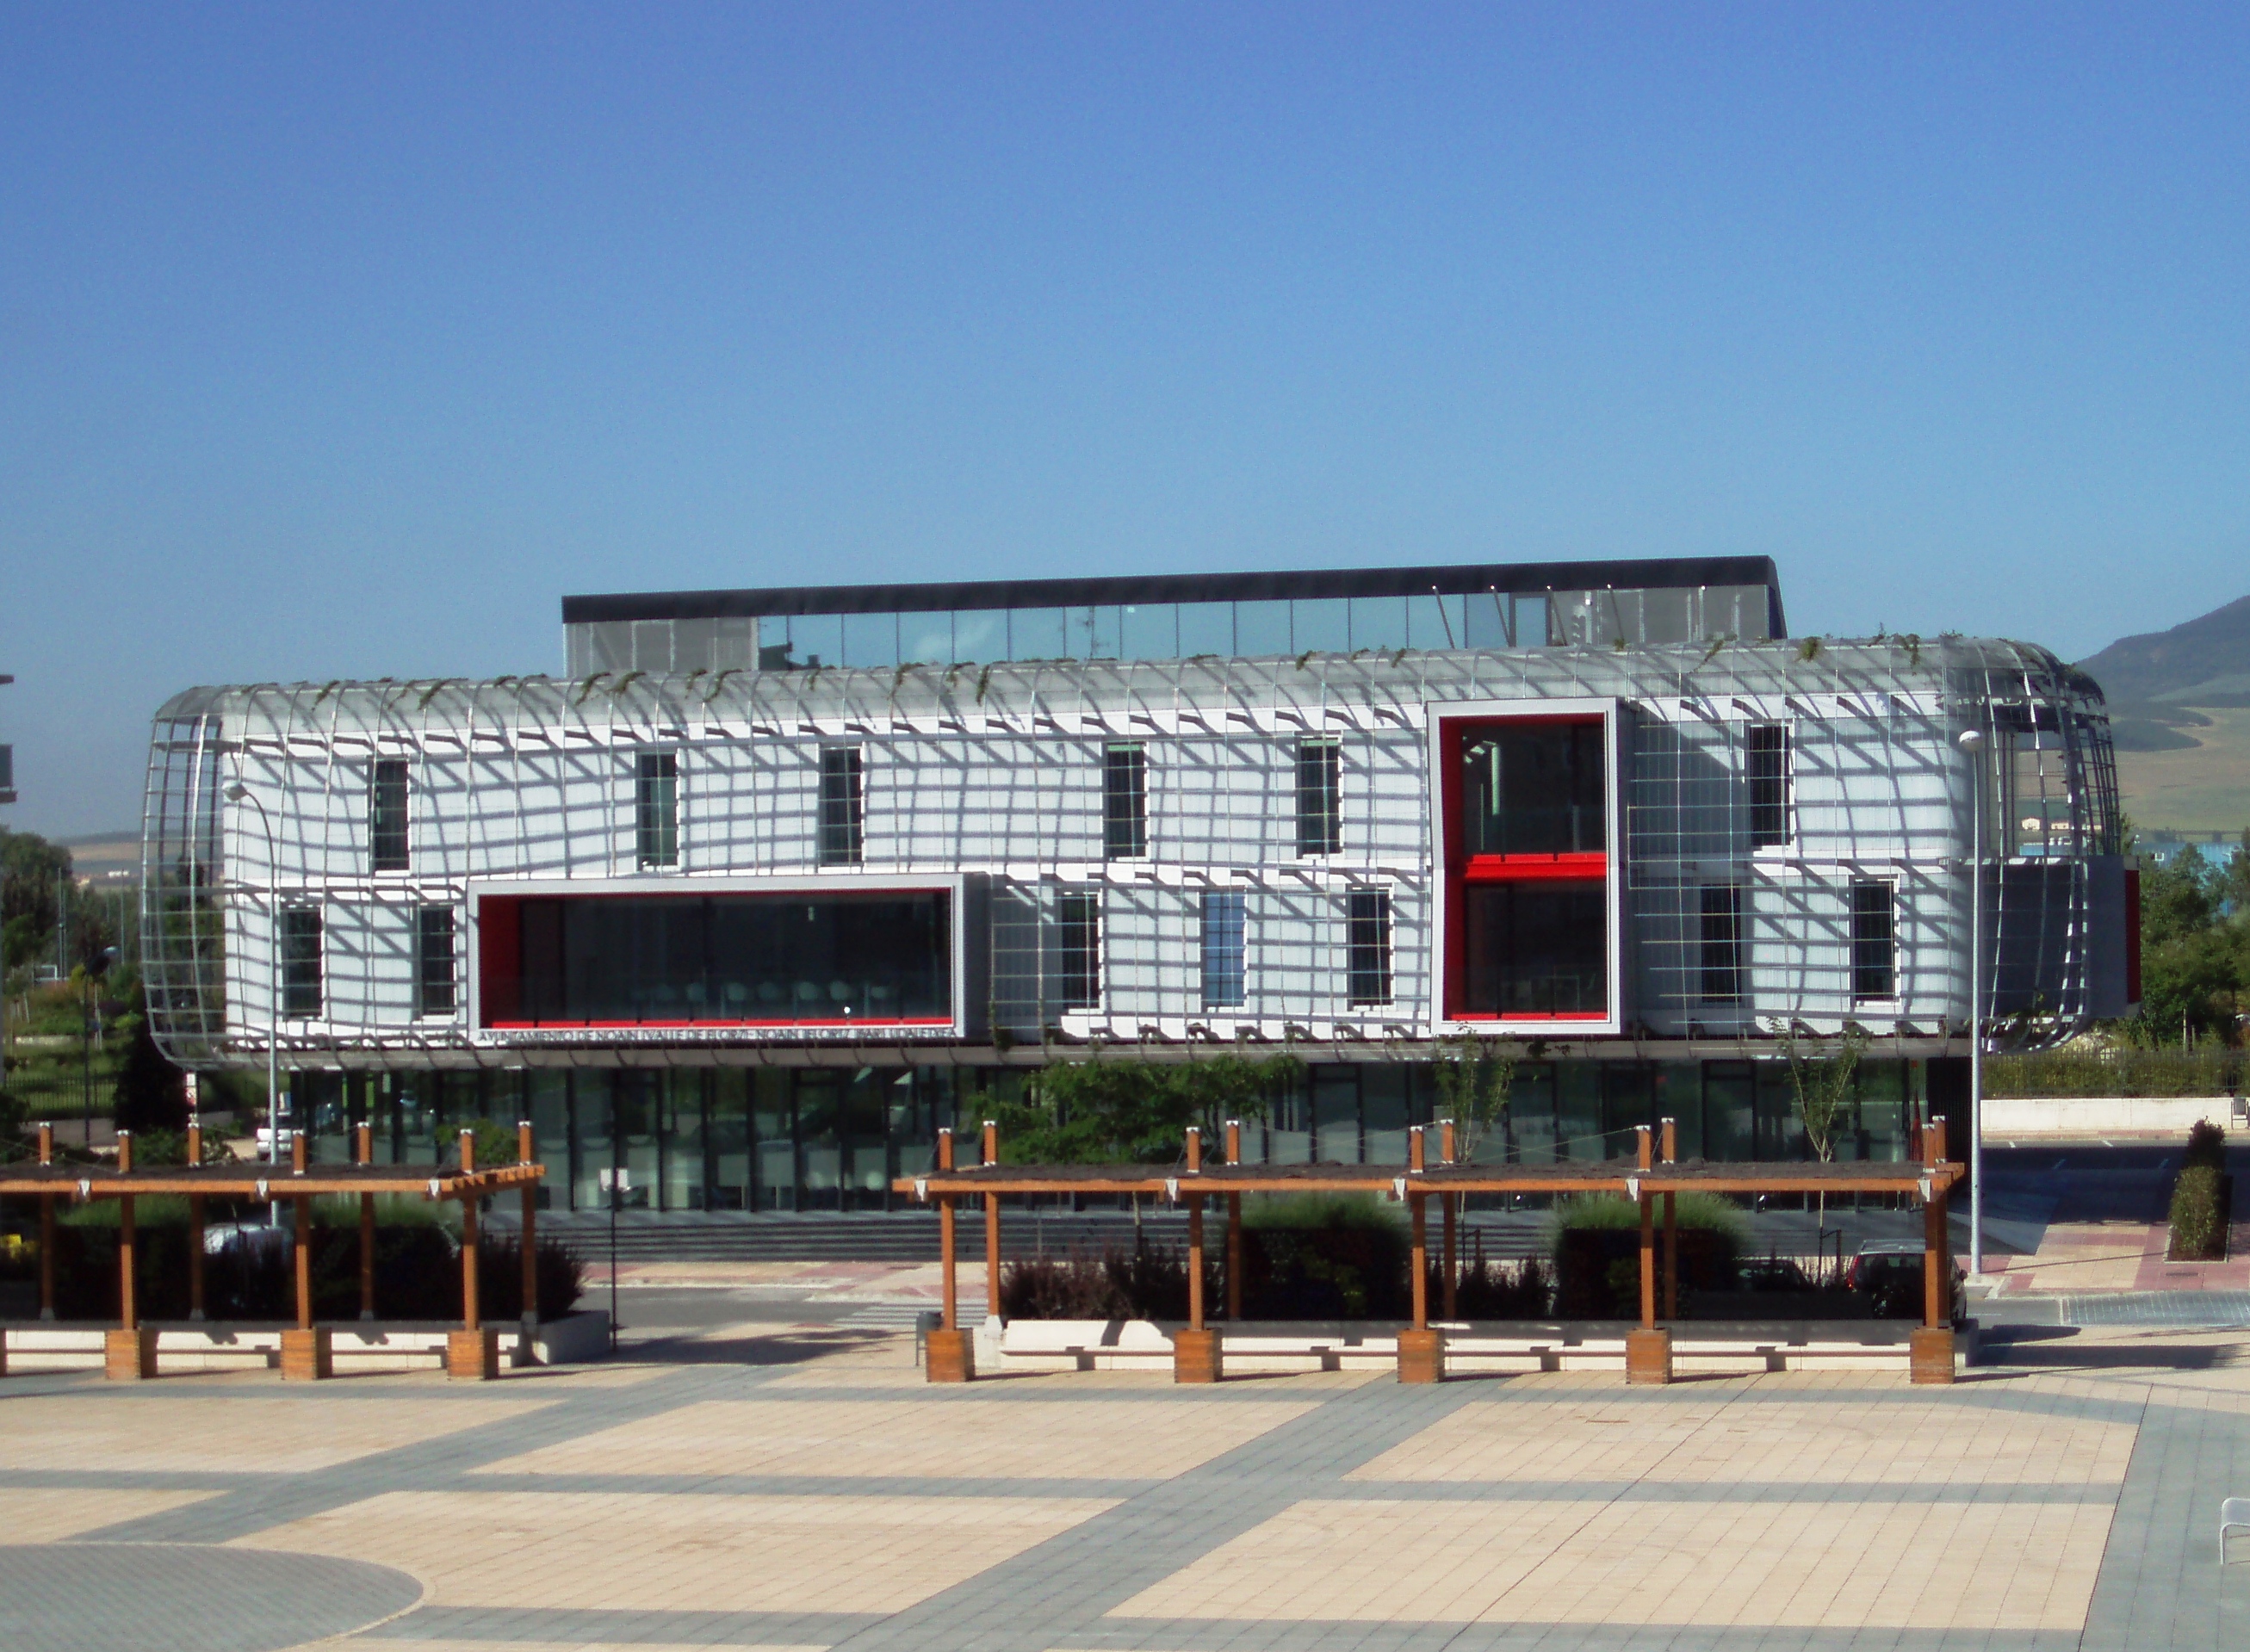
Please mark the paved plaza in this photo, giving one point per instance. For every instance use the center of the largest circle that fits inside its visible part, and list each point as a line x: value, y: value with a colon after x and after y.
x: 786, y: 1480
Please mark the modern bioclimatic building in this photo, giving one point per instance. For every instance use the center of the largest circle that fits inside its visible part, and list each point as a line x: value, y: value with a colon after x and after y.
x: 769, y: 883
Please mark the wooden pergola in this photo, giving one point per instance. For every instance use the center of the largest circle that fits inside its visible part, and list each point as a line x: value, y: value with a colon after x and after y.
x: 129, y: 1350
x: 1654, y: 1178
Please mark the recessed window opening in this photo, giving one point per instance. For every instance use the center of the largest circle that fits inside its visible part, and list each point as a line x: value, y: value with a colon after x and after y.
x: 1537, y: 948
x: 656, y: 809
x: 1533, y: 788
x: 435, y: 989
x: 300, y: 961
x: 1082, y: 952
x: 1368, y: 948
x: 1771, y: 825
x: 1720, y: 980
x: 1874, y: 940
x: 386, y: 815
x: 1124, y: 801
x: 1224, y: 936
x: 842, y: 805
x: 1319, y: 797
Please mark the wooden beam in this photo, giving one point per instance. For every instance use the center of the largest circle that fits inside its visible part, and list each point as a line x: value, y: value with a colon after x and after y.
x: 128, y: 1303
x: 1671, y: 1145
x: 195, y: 1227
x: 525, y: 1149
x: 1233, y: 1226
x: 948, y: 1262
x: 472, y: 1320
x: 992, y: 1226
x: 47, y: 1229
x: 365, y: 1146
x: 1449, y: 1247
x: 1647, y: 1235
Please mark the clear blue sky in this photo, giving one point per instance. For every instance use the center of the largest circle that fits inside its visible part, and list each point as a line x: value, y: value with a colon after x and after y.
x: 343, y: 342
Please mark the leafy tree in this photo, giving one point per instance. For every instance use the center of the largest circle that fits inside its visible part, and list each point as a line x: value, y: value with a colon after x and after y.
x: 152, y: 1094
x: 1820, y: 1072
x: 31, y: 871
x: 2178, y: 899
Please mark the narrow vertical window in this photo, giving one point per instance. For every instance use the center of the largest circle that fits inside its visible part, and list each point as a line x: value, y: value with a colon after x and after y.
x: 842, y: 805
x: 386, y: 815
x: 300, y: 961
x: 1124, y: 801
x: 656, y: 809
x: 1368, y: 948
x: 1771, y: 826
x: 1224, y: 933
x: 1722, y: 961
x: 1874, y: 940
x: 434, y: 991
x: 1319, y: 797
x: 1082, y: 952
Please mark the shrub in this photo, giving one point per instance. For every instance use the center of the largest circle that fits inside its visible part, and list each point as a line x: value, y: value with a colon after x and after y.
x: 2199, y: 1224
x: 1493, y: 1291
x: 1597, y: 1244
x: 2206, y: 1145
x: 1143, y: 1283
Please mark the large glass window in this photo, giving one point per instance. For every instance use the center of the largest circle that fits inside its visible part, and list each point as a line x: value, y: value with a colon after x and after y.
x: 1368, y: 948
x: 1538, y: 949
x: 1082, y: 952
x: 300, y: 960
x: 1124, y: 801
x: 1319, y: 797
x: 1874, y: 940
x: 826, y: 959
x: 656, y: 809
x: 842, y: 805
x: 434, y: 975
x: 1770, y: 810
x: 1224, y: 923
x: 386, y: 815
x: 1533, y: 788
x: 1720, y: 980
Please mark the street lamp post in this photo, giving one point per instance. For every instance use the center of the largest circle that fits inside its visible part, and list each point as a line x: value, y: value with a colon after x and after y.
x: 1973, y: 742
x: 238, y: 793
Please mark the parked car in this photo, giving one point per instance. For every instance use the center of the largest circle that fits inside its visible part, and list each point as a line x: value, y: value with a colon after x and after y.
x: 1888, y: 1272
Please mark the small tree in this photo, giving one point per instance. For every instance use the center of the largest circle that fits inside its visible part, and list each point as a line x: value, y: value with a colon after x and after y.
x: 1821, y: 1073
x: 1475, y: 1078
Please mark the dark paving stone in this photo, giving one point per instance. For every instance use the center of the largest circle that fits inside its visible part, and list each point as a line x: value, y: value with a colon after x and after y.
x: 95, y: 1597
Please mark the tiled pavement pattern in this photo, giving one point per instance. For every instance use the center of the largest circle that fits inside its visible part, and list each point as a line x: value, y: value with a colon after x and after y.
x: 2066, y: 1498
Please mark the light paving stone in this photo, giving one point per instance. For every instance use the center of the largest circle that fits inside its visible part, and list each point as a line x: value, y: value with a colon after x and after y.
x: 1128, y: 1438
x: 1832, y: 1565
x: 243, y: 1431
x: 637, y: 1551
x: 50, y: 1514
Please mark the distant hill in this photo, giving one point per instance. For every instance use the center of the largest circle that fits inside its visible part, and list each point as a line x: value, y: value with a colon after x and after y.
x: 2177, y: 702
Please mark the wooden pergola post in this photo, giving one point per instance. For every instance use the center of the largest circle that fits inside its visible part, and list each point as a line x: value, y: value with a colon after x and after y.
x: 1421, y: 1350
x: 1671, y: 1152
x: 1930, y: 1357
x: 128, y: 1353
x: 991, y: 1229
x: 1449, y: 1205
x: 1233, y: 1227
x: 527, y: 1343
x: 46, y: 1229
x: 195, y: 1225
x: 306, y: 1349
x: 1647, y: 1350
x: 363, y: 1152
x: 1194, y: 1349
x: 472, y: 1351
x: 948, y: 1353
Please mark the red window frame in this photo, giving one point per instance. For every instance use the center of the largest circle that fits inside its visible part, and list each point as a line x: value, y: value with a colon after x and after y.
x: 1461, y: 870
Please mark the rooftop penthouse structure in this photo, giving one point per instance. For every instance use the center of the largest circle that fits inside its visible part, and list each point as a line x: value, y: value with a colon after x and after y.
x: 771, y: 883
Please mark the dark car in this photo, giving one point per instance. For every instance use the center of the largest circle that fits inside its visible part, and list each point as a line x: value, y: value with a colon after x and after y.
x: 1774, y: 1273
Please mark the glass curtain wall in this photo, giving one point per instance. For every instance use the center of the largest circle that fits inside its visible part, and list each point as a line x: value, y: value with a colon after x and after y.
x: 779, y: 1140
